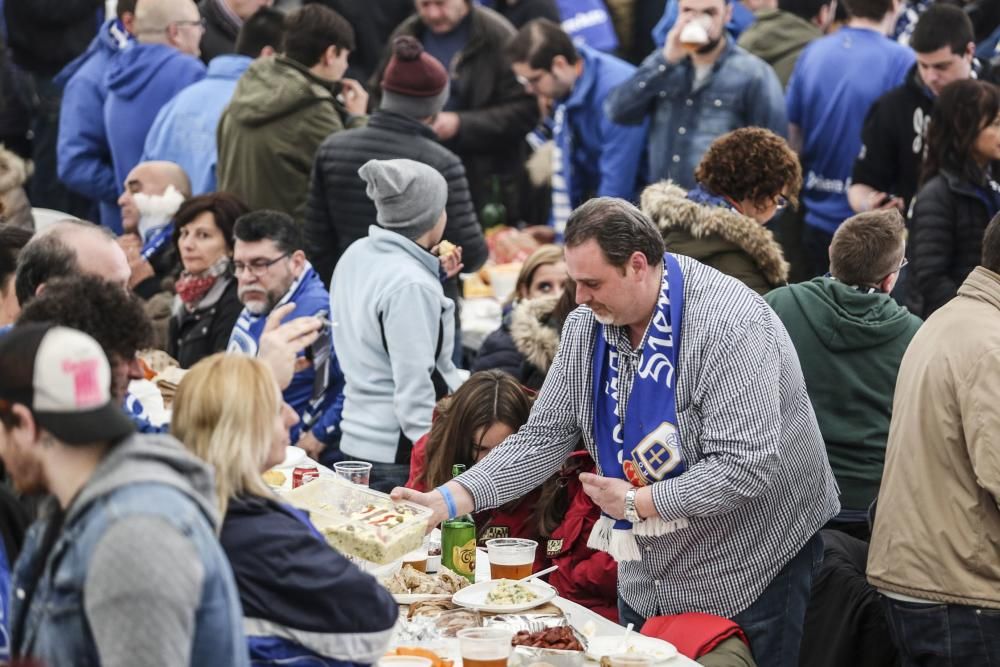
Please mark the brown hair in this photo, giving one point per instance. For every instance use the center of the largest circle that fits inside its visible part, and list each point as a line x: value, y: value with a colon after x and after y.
x: 224, y: 207
x: 619, y: 229
x: 867, y: 247
x: 542, y: 256
x: 486, y: 398
x: 751, y: 163
x: 962, y: 110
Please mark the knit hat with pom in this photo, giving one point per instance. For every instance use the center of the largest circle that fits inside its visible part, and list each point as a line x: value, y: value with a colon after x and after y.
x: 415, y: 84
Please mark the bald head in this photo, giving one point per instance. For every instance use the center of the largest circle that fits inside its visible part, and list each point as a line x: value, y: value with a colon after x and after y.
x: 171, y: 22
x: 150, y: 178
x: 69, y: 248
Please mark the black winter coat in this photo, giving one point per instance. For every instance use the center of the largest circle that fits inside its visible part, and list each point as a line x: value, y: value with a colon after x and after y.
x: 946, y: 238
x: 494, y: 110
x: 339, y: 212
x: 519, y: 12
x: 44, y: 35
x: 197, y: 334
x: 220, y: 31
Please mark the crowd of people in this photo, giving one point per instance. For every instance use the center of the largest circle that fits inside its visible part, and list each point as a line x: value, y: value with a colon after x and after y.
x: 742, y: 387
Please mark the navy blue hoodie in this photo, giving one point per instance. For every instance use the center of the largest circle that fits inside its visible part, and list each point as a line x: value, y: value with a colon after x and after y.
x: 140, y: 81
x: 303, y: 602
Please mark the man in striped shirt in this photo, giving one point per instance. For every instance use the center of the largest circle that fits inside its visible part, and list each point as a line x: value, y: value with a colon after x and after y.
x: 734, y: 532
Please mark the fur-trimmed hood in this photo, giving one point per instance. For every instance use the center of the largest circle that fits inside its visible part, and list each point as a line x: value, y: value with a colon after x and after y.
x: 534, y: 335
x: 668, y: 205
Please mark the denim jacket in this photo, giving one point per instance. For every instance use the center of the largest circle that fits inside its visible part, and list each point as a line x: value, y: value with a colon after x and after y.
x: 143, y: 476
x: 741, y: 91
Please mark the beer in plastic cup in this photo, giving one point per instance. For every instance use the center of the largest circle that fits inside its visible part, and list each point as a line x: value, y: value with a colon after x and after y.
x: 355, y: 472
x: 485, y: 647
x: 695, y: 34
x: 511, y: 558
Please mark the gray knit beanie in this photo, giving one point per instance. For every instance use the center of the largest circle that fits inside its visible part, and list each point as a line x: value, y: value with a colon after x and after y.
x: 409, y: 196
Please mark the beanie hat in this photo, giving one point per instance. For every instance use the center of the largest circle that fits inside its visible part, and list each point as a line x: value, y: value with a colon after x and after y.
x: 415, y: 84
x: 409, y: 196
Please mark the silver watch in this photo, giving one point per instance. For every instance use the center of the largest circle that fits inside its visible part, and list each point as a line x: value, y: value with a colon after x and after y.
x: 631, y: 513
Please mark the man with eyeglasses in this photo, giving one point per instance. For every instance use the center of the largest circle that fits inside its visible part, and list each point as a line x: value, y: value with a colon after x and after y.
x: 593, y: 156
x: 272, y: 270
x: 850, y: 336
x: 147, y: 75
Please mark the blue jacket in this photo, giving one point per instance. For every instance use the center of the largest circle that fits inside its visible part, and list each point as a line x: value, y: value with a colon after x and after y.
x: 139, y: 478
x: 184, y: 130
x: 83, y: 156
x: 322, y: 419
x: 395, y: 330
x: 140, y: 81
x: 601, y: 158
x: 304, y: 604
x: 741, y: 91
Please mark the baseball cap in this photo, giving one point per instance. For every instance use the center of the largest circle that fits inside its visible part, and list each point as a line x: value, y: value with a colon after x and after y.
x: 64, y: 378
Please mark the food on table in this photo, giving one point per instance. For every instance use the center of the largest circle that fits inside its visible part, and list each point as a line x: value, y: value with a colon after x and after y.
x: 448, y: 623
x: 409, y: 581
x: 274, y: 478
x: 360, y: 522
x: 429, y: 608
x: 508, y: 592
x: 560, y: 638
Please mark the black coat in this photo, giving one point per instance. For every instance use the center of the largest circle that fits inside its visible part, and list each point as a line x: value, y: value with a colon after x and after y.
x: 339, y: 212
x: 494, y: 110
x: 220, y: 31
x: 205, y: 331
x: 946, y: 239
x: 44, y: 35
x: 519, y: 12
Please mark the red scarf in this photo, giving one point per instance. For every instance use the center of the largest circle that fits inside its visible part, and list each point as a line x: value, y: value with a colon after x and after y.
x: 192, y: 287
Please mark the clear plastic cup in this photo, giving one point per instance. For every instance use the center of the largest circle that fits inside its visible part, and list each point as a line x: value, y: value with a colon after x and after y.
x: 511, y: 558
x: 355, y: 472
x: 485, y: 647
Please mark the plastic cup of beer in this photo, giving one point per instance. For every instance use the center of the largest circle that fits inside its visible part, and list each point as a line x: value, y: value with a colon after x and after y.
x: 485, y: 647
x: 355, y: 472
x: 511, y: 558
x: 695, y: 34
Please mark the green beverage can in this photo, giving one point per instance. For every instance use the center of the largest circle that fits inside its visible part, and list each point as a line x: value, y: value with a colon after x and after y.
x: 458, y: 540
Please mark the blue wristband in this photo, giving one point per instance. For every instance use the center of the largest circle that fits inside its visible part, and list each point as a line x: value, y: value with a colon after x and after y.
x: 448, y: 500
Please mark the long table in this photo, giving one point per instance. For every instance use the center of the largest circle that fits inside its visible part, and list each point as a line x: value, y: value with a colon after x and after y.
x: 577, y: 615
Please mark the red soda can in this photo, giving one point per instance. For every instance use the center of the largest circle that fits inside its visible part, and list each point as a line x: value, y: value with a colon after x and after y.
x: 303, y: 475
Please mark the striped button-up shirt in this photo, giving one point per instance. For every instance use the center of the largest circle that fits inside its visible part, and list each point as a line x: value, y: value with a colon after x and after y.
x: 758, y: 483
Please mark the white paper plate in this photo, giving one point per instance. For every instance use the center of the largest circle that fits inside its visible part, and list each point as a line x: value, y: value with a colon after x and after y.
x: 411, y: 598
x: 293, y: 457
x: 659, y: 650
x: 474, y: 597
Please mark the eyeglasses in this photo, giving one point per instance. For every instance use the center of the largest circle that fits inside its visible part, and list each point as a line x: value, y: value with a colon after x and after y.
x: 902, y: 264
x: 532, y: 80
x: 258, y: 266
x: 200, y: 23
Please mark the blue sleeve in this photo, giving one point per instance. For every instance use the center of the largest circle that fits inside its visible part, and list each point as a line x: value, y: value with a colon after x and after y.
x: 155, y: 137
x: 83, y: 153
x: 766, y: 102
x: 665, y: 23
x: 621, y: 158
x: 632, y: 101
x: 327, y: 425
x: 793, y: 97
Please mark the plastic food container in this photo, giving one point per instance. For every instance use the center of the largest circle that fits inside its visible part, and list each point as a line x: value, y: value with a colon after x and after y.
x: 360, y: 522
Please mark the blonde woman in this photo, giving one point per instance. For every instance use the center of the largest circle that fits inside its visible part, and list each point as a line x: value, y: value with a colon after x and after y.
x: 301, y: 599
x: 527, y: 339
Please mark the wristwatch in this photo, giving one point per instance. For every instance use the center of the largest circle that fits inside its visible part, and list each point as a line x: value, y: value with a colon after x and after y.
x: 631, y: 513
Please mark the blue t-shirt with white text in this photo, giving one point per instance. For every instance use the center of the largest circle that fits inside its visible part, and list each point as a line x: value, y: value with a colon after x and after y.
x: 835, y: 81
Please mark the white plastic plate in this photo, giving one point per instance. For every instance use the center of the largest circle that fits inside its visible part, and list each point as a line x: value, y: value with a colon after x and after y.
x: 657, y: 649
x: 474, y: 597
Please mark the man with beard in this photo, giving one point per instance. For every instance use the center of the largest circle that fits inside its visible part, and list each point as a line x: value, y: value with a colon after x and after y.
x: 699, y: 86
x: 272, y: 270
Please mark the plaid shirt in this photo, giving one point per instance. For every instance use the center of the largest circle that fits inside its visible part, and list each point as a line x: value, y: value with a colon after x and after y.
x: 758, y: 484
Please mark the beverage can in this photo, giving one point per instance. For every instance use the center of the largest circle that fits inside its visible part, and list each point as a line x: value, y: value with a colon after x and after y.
x: 458, y: 546
x: 304, y: 474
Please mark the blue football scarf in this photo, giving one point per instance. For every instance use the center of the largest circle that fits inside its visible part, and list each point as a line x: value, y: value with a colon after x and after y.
x: 699, y: 195
x: 644, y: 446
